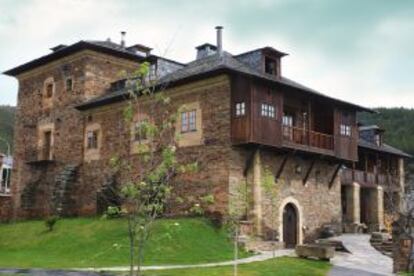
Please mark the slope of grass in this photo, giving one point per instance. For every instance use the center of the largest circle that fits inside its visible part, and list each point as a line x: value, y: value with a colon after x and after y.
x: 89, y: 242
x: 283, y: 266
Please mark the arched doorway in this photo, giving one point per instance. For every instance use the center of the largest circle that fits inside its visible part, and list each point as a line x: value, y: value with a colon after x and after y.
x: 290, y: 226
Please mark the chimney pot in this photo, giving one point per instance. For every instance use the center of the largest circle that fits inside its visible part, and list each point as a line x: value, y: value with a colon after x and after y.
x: 219, y: 39
x: 123, y: 33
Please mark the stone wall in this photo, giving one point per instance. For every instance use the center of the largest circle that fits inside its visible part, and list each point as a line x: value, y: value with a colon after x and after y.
x: 92, y: 74
x: 316, y: 203
x: 213, y: 98
x: 5, y: 208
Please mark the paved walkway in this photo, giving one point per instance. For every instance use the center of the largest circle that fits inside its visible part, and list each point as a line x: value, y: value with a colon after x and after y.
x: 363, y: 260
x: 256, y: 258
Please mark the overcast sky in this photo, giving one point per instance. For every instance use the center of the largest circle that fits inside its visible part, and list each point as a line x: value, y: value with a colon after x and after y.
x: 359, y: 51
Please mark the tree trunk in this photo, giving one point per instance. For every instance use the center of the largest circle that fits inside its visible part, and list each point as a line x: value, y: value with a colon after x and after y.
x: 236, y: 250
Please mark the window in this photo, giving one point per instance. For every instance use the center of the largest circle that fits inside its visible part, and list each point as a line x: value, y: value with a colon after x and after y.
x: 268, y: 111
x: 377, y: 138
x: 92, y: 139
x: 345, y: 130
x: 49, y: 90
x: 270, y: 66
x: 5, y: 181
x: 69, y: 84
x: 140, y: 131
x: 287, y: 120
x: 188, y: 121
x: 240, y: 109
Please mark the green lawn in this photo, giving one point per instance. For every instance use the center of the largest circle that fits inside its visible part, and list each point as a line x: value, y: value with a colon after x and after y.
x: 283, y: 266
x: 91, y: 242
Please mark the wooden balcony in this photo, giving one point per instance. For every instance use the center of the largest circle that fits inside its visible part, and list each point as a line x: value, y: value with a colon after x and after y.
x: 368, y: 179
x: 301, y: 138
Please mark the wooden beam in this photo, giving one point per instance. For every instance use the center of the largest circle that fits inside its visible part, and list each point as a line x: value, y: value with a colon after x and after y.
x: 249, y: 161
x: 309, y: 171
x: 282, y: 165
x: 335, y: 174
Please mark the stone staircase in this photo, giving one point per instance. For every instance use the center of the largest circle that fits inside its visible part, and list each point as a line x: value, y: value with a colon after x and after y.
x: 382, y: 242
x: 62, y: 189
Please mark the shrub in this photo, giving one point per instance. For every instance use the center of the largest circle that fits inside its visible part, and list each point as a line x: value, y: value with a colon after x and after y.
x: 113, y: 212
x: 50, y: 222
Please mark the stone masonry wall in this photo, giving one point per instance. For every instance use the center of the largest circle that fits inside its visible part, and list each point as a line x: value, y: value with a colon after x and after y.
x: 317, y: 203
x: 211, y: 154
x: 90, y: 72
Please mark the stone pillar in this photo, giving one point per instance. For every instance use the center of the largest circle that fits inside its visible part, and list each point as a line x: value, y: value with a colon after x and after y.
x: 353, y: 209
x: 377, y: 208
x: 257, y: 193
x: 401, y: 180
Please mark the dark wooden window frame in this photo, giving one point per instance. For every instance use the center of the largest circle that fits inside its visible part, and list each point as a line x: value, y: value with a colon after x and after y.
x: 189, y: 121
x: 268, y: 111
x: 267, y: 61
x: 240, y: 109
x: 69, y: 84
x: 92, y: 137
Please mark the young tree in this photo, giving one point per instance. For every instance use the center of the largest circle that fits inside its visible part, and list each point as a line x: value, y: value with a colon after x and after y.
x: 237, y: 210
x: 146, y: 177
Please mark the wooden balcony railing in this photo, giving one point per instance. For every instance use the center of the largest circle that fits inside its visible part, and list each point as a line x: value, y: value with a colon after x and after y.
x: 368, y: 179
x: 308, y: 137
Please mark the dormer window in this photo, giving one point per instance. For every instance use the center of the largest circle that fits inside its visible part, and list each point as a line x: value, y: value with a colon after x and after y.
x: 377, y: 138
x: 270, y: 66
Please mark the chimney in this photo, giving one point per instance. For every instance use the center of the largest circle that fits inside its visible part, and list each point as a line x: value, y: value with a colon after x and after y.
x: 123, y: 33
x: 206, y: 50
x: 219, y: 40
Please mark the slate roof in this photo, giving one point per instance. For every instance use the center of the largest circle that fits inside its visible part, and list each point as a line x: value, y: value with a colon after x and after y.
x: 383, y: 148
x: 107, y: 47
x: 216, y: 63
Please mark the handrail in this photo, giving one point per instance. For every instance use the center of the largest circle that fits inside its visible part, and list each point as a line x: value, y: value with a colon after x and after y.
x: 349, y: 176
x: 308, y: 137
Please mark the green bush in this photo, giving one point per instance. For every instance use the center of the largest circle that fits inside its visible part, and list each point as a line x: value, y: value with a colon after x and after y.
x: 50, y: 222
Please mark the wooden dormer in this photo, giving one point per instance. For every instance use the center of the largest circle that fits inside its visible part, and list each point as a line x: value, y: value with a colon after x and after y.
x: 271, y: 61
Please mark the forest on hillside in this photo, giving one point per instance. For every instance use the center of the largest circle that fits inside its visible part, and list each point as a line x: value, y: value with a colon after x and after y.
x: 398, y: 124
x: 6, y: 127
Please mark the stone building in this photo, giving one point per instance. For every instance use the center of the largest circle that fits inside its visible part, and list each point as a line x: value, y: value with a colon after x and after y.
x: 242, y: 118
x: 372, y: 187
x: 6, y: 165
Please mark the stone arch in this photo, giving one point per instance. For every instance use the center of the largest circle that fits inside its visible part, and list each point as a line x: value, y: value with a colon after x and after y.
x: 299, y: 211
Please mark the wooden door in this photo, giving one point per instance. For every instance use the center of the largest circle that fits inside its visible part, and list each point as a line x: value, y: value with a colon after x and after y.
x: 290, y: 226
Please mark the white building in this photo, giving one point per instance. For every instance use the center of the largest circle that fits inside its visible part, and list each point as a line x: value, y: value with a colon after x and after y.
x: 6, y: 164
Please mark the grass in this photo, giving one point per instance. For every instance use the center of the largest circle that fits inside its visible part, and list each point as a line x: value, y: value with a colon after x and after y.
x: 280, y: 266
x: 92, y: 242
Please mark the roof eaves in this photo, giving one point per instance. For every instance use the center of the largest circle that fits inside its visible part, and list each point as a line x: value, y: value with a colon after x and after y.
x: 81, y: 45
